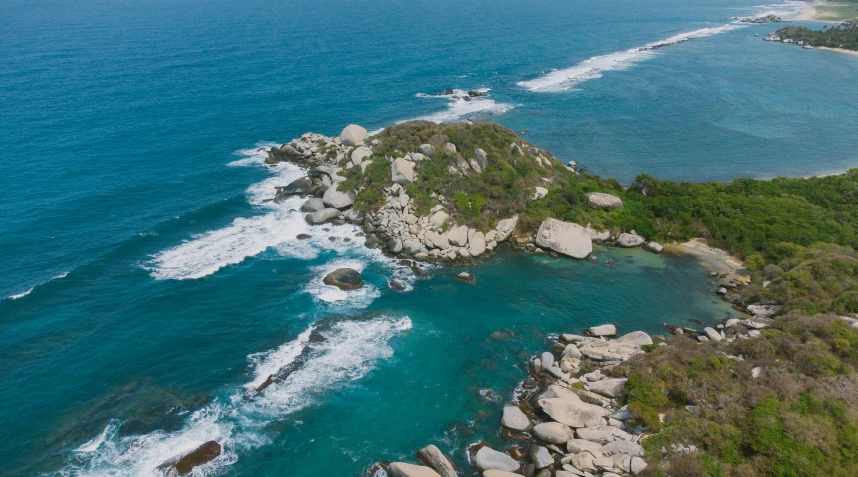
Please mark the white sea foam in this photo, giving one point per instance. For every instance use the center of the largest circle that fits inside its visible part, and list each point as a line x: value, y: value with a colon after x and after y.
x: 267, y: 363
x: 360, y: 298
x: 786, y: 10
x: 458, y: 108
x: 207, y: 253
x: 253, y: 156
x: 351, y: 350
x: 565, y: 79
x: 23, y: 294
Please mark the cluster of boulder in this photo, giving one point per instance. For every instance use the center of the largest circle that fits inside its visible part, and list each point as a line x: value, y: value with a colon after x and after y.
x: 397, y: 228
x: 770, y: 18
x: 566, y: 420
x: 776, y: 37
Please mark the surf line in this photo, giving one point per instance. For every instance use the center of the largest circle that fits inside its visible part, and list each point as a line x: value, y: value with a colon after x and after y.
x: 565, y: 79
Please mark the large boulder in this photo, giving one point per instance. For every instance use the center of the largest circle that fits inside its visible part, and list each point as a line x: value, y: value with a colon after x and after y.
x: 612, y: 387
x: 573, y: 412
x: 313, y: 205
x: 564, y: 237
x: 622, y: 447
x: 513, y: 418
x: 337, y: 199
x: 352, y: 135
x: 437, y: 240
x: 637, y: 338
x: 540, y: 456
x: 600, y: 200
x: 603, y: 434
x: 323, y: 216
x: 403, y: 469
x: 296, y: 187
x: 487, y: 458
x: 538, y: 193
x: 629, y: 240
x: 499, y: 473
x: 432, y: 456
x: 602, y: 330
x: 402, y: 171
x: 481, y: 158
x: 553, y: 432
x: 476, y: 243
x: 505, y: 228
x: 438, y: 218
x: 359, y: 154
x: 185, y: 464
x: 426, y: 149
x: 458, y: 235
x: 344, y: 279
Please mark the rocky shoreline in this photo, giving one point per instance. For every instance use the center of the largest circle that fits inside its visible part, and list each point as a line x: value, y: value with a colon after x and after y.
x: 568, y: 418
x: 400, y: 230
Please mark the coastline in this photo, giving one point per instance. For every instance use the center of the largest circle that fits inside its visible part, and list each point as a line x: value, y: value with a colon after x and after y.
x: 837, y: 50
x: 813, y: 12
x: 711, y: 258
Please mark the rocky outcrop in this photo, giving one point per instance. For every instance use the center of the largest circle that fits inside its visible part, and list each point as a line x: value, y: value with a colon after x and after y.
x: 344, y: 279
x: 323, y: 216
x: 514, y: 418
x: 185, y: 464
x: 653, y: 247
x: 352, y: 135
x: 481, y: 158
x: 437, y: 461
x: 402, y: 171
x: 564, y: 237
x: 487, y: 458
x: 403, y: 469
x: 359, y: 154
x: 602, y: 330
x: 538, y: 193
x: 338, y: 200
x: 313, y: 205
x: 600, y: 200
x: 629, y: 240
x: 505, y: 228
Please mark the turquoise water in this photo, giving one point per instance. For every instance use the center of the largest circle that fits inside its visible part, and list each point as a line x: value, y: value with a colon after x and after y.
x: 149, y: 286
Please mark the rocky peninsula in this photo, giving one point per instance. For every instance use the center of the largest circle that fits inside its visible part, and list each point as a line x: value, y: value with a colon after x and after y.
x: 747, y: 396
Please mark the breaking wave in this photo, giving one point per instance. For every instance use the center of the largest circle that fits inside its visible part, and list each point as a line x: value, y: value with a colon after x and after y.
x: 565, y: 79
x: 341, y: 352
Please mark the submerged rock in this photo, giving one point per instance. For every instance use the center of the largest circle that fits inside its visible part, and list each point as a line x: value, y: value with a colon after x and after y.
x: 466, y: 277
x: 344, y: 279
x: 199, y: 456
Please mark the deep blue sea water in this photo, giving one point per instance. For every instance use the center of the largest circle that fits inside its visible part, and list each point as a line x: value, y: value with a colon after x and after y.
x: 148, y: 285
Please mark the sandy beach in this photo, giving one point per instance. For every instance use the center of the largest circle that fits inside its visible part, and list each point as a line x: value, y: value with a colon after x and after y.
x: 712, y: 258
x: 838, y: 50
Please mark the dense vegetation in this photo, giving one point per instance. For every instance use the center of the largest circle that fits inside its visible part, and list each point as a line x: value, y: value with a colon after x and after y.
x: 842, y: 36
x: 797, y: 418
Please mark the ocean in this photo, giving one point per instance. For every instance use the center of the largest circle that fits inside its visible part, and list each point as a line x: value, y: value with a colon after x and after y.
x: 147, y: 286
